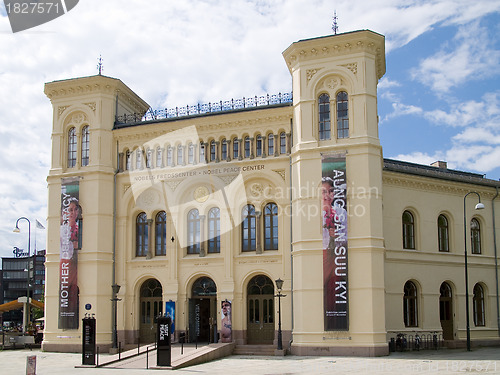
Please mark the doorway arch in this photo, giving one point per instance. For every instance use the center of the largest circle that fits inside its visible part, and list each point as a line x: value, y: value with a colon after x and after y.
x: 260, y: 311
x: 203, y: 311
x: 150, y: 307
x: 446, y: 310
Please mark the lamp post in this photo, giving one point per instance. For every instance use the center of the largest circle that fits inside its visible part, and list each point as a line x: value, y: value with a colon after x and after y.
x: 479, y: 206
x: 17, y: 230
x: 279, y: 285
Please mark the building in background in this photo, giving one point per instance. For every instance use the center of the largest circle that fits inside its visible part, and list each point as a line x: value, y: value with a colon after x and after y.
x: 212, y: 203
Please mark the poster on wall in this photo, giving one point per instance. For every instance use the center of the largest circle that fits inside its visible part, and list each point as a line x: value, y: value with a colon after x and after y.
x: 70, y: 243
x: 170, y: 311
x: 334, y: 228
x: 226, y: 327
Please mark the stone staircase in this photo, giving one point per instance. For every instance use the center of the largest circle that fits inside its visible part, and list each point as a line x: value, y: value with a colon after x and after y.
x: 262, y: 350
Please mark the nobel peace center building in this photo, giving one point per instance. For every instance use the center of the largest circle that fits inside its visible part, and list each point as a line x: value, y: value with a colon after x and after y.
x: 207, y: 213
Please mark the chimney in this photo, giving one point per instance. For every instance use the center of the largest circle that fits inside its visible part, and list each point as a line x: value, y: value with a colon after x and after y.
x: 440, y: 164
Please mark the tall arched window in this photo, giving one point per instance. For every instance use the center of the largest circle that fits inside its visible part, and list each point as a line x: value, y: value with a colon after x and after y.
x: 270, y: 144
x: 213, y: 151
x: 478, y: 305
x: 214, y: 230
x: 138, y: 159
x: 141, y: 235
x: 247, y: 147
x: 236, y: 148
x: 85, y: 146
x: 149, y: 158
x: 475, y: 236
x: 248, y: 228
x: 193, y: 229
x: 128, y: 160
x: 259, y: 145
x: 161, y: 233
x: 159, y: 157
x: 443, y: 235
x: 408, y: 230
x: 224, y: 149
x: 202, y: 152
x: 283, y: 143
x: 271, y: 226
x: 324, y: 117
x: 72, y: 148
x: 342, y: 115
x: 410, y: 305
x: 170, y: 156
x: 180, y: 155
x: 191, y: 153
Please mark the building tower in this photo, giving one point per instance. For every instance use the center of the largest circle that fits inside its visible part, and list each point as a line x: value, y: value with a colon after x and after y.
x: 335, y: 115
x: 84, y: 161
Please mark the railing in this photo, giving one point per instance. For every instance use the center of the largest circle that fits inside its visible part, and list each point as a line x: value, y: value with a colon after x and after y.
x: 202, y: 109
x: 406, y: 342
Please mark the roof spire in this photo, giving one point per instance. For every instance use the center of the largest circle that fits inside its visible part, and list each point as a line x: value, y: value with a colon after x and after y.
x: 99, y: 65
x: 335, y: 26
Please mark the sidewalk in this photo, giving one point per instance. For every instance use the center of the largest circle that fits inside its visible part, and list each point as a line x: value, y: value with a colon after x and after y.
x: 445, y: 361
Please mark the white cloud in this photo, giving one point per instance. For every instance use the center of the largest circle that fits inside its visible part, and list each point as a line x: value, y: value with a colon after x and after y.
x: 472, y: 57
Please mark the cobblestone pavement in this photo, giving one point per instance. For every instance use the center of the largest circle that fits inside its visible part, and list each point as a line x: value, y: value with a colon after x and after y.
x: 446, y: 361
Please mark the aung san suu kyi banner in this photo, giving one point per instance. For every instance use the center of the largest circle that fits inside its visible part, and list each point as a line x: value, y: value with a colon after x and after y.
x: 334, y: 211
x: 70, y: 243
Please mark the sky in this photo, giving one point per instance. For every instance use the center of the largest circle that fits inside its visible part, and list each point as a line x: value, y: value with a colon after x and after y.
x: 439, y: 98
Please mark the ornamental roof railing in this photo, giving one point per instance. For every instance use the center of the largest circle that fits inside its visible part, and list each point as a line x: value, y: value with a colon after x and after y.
x: 204, y: 109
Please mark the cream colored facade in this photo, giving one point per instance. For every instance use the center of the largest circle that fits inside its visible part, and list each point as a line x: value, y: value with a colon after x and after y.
x: 134, y: 169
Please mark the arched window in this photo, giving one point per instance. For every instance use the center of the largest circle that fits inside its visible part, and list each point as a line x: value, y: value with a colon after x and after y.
x: 410, y: 305
x: 214, y: 230
x: 271, y: 226
x: 141, y: 235
x: 259, y: 145
x: 478, y: 305
x: 161, y: 233
x: 149, y: 158
x: 324, y: 117
x: 247, y: 147
x: 248, y: 228
x: 191, y: 153
x: 159, y: 157
x: 213, y: 151
x: 443, y: 235
x: 342, y: 115
x: 224, y: 149
x: 170, y: 152
x: 138, y: 159
x: 85, y: 146
x: 128, y: 160
x: 270, y: 144
x: 283, y: 143
x: 475, y: 236
x: 204, y: 287
x: 236, y: 147
x: 193, y: 227
x: 408, y: 230
x: 202, y: 152
x: 180, y: 155
x: 72, y: 148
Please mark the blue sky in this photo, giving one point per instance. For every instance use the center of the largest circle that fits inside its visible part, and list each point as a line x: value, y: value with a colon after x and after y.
x: 439, y: 99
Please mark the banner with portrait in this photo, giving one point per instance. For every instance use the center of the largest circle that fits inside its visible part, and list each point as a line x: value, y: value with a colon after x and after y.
x: 334, y: 229
x: 70, y: 243
x: 226, y: 330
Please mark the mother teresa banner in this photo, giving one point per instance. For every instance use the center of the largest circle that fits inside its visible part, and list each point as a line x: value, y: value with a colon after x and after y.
x: 70, y: 239
x: 334, y: 210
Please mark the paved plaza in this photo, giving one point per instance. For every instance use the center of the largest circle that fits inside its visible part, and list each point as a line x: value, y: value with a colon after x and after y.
x: 445, y: 361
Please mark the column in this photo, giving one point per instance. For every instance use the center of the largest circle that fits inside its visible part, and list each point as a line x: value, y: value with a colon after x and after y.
x: 258, y: 242
x: 149, y: 255
x: 217, y: 151
x: 202, y: 235
x: 276, y: 145
x: 241, y: 149
x: 264, y: 146
x: 228, y: 141
x: 252, y: 147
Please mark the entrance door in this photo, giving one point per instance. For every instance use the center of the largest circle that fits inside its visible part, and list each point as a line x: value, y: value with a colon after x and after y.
x: 260, y: 311
x: 445, y: 311
x: 150, y: 308
x: 202, y: 311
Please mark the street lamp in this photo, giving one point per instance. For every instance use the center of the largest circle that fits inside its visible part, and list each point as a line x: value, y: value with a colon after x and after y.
x: 279, y: 285
x: 479, y: 206
x: 17, y: 230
